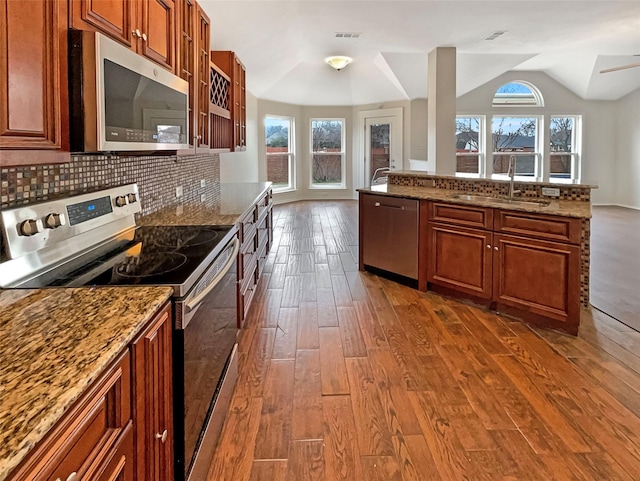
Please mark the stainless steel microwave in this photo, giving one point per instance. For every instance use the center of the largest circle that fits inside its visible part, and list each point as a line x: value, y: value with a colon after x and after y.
x: 121, y: 101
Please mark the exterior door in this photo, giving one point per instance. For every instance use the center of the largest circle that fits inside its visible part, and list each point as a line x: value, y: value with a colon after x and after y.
x: 382, y: 146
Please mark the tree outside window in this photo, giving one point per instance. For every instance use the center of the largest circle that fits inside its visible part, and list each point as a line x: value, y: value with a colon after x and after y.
x: 517, y: 137
x: 562, y: 146
x: 327, y: 153
x: 279, y: 146
x: 468, y: 145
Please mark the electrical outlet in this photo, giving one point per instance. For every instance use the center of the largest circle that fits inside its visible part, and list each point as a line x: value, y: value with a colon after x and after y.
x: 179, y: 191
x: 203, y: 183
x: 551, y: 191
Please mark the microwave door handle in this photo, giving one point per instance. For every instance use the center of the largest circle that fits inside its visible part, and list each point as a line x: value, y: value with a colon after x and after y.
x: 195, y: 302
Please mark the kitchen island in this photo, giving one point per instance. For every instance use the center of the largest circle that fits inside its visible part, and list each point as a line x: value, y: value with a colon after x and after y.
x: 527, y: 256
x: 55, y: 343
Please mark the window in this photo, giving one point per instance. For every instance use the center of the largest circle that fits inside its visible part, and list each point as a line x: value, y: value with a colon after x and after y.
x: 279, y: 142
x: 327, y: 153
x: 469, y: 145
x: 516, y: 137
x: 518, y: 94
x: 563, y: 146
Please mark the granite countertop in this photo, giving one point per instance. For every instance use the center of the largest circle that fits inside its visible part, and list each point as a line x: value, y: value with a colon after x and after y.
x: 566, y: 208
x: 235, y: 201
x: 54, y: 344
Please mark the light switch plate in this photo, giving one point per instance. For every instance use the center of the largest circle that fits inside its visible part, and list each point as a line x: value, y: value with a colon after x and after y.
x: 203, y: 183
x: 179, y: 191
x: 551, y: 191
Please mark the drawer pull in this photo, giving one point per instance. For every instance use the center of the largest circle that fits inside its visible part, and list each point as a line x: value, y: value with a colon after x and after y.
x: 162, y: 437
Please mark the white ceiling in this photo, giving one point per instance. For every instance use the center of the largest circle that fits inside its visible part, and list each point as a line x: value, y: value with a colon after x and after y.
x: 283, y: 45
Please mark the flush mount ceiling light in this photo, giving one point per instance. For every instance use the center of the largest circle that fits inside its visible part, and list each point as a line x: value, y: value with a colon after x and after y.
x: 338, y: 62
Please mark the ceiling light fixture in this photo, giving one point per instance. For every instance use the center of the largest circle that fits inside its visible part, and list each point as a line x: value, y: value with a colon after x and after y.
x: 338, y: 61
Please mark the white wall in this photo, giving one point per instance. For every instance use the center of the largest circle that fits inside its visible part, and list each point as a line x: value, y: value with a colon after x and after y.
x: 627, y: 129
x: 598, y: 139
x: 244, y: 166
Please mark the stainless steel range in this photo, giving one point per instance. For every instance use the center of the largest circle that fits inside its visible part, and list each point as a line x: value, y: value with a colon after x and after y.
x: 92, y: 239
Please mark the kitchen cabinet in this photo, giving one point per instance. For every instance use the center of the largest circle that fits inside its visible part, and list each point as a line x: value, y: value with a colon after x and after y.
x: 148, y: 27
x: 194, y: 61
x: 153, y: 407
x: 121, y: 428
x: 94, y: 439
x: 460, y: 259
x: 231, y: 66
x: 255, y: 233
x: 391, y: 227
x: 508, y: 261
x: 33, y: 87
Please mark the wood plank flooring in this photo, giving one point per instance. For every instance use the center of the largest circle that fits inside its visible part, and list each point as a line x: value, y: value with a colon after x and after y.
x: 615, y: 263
x: 348, y: 376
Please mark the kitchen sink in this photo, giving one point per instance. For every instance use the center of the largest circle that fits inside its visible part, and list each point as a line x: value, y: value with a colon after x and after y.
x: 502, y: 200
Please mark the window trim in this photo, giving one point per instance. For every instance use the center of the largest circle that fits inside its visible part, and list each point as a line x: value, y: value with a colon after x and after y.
x: 576, y: 150
x: 291, y: 186
x: 343, y: 169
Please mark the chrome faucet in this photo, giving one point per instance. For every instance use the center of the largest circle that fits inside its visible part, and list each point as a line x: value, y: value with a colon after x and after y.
x: 511, y: 173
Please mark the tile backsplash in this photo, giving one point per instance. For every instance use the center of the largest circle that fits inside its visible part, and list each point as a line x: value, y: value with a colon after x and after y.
x: 157, y: 178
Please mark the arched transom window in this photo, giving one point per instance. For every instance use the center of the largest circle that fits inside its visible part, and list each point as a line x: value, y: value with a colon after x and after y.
x: 518, y: 93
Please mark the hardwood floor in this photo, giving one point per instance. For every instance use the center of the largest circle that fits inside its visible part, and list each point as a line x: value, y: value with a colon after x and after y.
x: 615, y: 263
x: 348, y: 376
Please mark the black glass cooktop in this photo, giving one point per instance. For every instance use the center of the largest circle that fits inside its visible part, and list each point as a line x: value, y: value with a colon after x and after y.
x: 163, y: 255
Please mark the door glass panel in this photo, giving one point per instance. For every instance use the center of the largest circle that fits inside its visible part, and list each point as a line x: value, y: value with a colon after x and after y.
x: 379, y: 139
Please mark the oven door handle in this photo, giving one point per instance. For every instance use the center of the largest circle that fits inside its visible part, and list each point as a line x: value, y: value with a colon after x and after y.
x: 195, y: 302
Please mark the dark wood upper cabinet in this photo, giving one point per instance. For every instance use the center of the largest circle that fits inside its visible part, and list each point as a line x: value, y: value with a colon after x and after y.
x: 193, y: 66
x: 33, y: 90
x: 146, y: 26
x: 231, y: 66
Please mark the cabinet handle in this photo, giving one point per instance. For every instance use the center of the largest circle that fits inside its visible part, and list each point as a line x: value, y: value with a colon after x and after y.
x: 378, y: 204
x: 488, y: 246
x: 495, y: 248
x: 72, y: 477
x: 137, y: 33
x: 162, y: 437
x: 144, y: 37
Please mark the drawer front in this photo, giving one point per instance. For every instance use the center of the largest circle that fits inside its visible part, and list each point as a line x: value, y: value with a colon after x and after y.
x: 548, y: 227
x: 264, y: 205
x: 463, y: 215
x: 247, y: 225
x: 88, y: 431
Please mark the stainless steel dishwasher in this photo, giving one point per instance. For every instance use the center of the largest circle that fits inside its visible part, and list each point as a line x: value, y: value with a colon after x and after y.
x: 389, y: 234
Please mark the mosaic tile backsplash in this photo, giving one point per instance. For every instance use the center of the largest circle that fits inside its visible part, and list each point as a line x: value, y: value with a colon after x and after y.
x: 157, y: 178
x: 489, y: 187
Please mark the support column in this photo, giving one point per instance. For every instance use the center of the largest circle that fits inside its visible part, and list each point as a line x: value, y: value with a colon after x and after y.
x: 441, y: 110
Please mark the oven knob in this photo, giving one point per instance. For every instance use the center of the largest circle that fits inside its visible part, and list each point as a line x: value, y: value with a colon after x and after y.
x: 131, y: 197
x: 28, y: 227
x: 121, y: 201
x: 53, y: 221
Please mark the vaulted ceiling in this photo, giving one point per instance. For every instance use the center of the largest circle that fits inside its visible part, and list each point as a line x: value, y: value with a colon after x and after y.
x: 283, y: 45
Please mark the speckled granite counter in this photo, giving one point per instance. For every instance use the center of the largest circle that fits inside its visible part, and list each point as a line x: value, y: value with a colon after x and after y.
x: 235, y: 201
x: 54, y: 343
x: 567, y: 208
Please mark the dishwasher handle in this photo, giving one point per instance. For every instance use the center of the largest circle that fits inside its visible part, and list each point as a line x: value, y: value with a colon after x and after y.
x: 399, y: 207
x: 195, y: 302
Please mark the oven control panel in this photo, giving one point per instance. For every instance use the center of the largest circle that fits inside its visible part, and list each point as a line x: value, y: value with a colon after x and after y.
x: 78, y: 222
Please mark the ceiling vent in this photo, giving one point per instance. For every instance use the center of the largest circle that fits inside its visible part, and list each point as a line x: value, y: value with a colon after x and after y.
x: 495, y: 35
x: 348, y: 34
